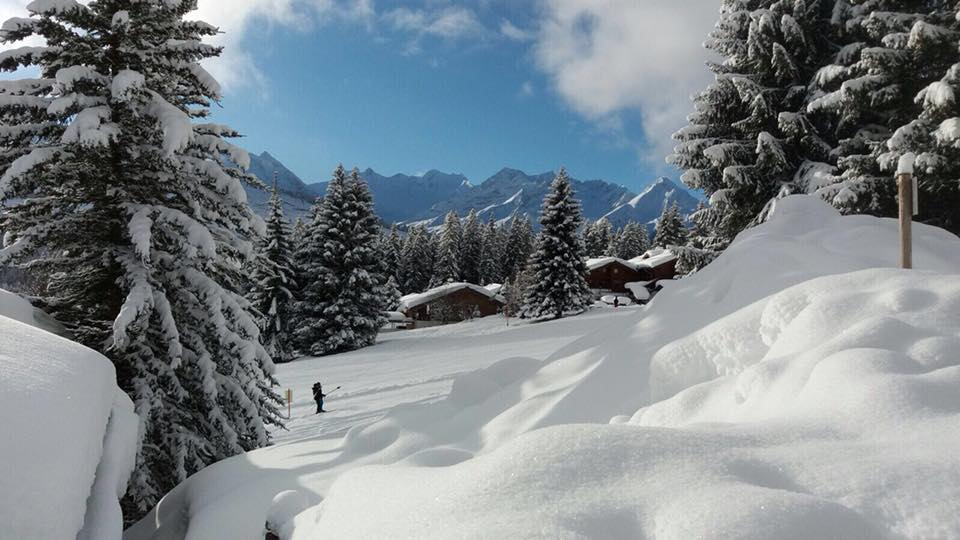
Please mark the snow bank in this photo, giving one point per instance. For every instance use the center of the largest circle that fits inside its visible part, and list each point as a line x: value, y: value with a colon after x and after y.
x: 69, y: 434
x: 722, y: 427
x: 830, y: 411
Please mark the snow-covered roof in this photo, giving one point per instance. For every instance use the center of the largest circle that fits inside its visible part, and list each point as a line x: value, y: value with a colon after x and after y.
x: 600, y: 262
x: 639, y: 289
x: 495, y: 288
x: 395, y: 316
x: 411, y: 301
x: 654, y: 258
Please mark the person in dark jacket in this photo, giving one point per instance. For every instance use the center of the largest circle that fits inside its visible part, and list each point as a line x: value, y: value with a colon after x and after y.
x: 318, y: 396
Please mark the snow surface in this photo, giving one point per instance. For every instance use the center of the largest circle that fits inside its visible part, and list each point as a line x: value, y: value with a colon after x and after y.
x: 755, y: 399
x: 69, y: 434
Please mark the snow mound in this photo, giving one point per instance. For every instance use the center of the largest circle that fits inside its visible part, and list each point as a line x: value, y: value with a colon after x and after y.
x: 830, y: 411
x: 731, y: 433
x: 69, y: 434
x: 14, y: 307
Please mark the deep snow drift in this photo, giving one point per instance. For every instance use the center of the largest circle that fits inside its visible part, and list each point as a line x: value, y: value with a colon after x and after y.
x: 755, y: 399
x: 69, y: 434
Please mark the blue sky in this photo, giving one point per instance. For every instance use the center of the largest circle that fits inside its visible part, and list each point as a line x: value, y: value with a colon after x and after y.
x: 464, y: 86
x: 342, y: 93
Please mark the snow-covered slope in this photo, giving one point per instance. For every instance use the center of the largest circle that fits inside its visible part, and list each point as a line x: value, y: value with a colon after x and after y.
x: 69, y: 434
x: 800, y: 386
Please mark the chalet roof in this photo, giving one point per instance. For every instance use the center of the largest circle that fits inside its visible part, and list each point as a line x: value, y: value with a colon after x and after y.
x: 654, y: 258
x: 600, y: 262
x: 411, y: 301
x: 495, y: 288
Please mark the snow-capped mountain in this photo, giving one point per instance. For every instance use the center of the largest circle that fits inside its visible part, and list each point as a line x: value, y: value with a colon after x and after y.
x: 427, y: 198
x: 646, y: 206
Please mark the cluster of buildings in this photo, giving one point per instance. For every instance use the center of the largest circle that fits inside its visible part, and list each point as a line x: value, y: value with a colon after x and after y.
x: 635, y: 279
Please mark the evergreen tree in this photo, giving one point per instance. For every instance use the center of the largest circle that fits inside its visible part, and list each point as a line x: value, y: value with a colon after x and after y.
x: 491, y: 254
x: 890, y: 92
x: 125, y: 201
x: 518, y: 247
x: 557, y: 265
x: 448, y: 252
x: 341, y: 306
x: 416, y: 266
x: 274, y: 283
x: 393, y: 253
x: 597, y: 237
x: 670, y: 228
x: 751, y: 132
x: 631, y: 242
x: 471, y: 248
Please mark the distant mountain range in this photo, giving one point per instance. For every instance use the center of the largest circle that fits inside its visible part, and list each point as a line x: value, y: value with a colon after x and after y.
x: 405, y: 199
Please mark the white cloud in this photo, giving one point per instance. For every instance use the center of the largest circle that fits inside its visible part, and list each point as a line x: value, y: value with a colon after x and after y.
x: 527, y: 89
x: 235, y: 67
x: 512, y: 31
x: 609, y: 57
x: 451, y: 22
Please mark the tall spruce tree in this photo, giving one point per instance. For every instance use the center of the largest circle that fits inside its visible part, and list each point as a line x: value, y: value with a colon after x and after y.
x: 670, y: 228
x: 751, y: 131
x: 274, y: 281
x: 342, y: 303
x: 448, y: 252
x: 112, y: 189
x: 519, y: 246
x: 888, y: 91
x: 631, y: 242
x: 471, y: 249
x: 557, y: 265
x: 491, y: 254
x: 597, y: 237
x: 416, y: 266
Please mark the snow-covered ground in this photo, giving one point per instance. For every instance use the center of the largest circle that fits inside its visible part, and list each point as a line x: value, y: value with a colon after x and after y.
x: 69, y: 433
x: 798, y: 387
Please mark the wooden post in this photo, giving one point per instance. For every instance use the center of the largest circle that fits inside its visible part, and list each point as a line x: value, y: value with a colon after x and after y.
x: 907, y: 208
x: 289, y: 402
x: 906, y: 220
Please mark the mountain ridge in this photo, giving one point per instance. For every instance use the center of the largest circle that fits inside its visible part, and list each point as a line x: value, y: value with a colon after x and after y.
x: 426, y: 198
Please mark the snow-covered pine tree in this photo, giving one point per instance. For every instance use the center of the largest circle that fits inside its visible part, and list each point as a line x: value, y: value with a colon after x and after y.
x: 750, y: 132
x: 416, y: 266
x: 670, y: 228
x: 392, y: 253
x: 895, y: 95
x: 471, y: 247
x: 274, y: 280
x: 631, y: 242
x: 491, y: 254
x: 446, y: 267
x: 342, y: 304
x: 596, y: 238
x: 611, y: 250
x: 112, y: 188
x: 518, y: 247
x: 868, y: 90
x: 557, y: 265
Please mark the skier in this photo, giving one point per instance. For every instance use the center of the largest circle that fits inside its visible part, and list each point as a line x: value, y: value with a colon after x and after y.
x: 318, y: 396
x: 616, y: 302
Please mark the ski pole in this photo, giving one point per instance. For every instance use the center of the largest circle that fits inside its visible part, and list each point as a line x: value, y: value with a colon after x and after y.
x: 334, y: 390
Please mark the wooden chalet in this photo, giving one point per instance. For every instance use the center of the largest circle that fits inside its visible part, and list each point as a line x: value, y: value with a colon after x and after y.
x: 453, y: 302
x: 610, y: 274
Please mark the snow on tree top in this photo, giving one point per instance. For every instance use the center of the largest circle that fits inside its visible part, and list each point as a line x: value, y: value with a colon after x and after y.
x: 411, y: 301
